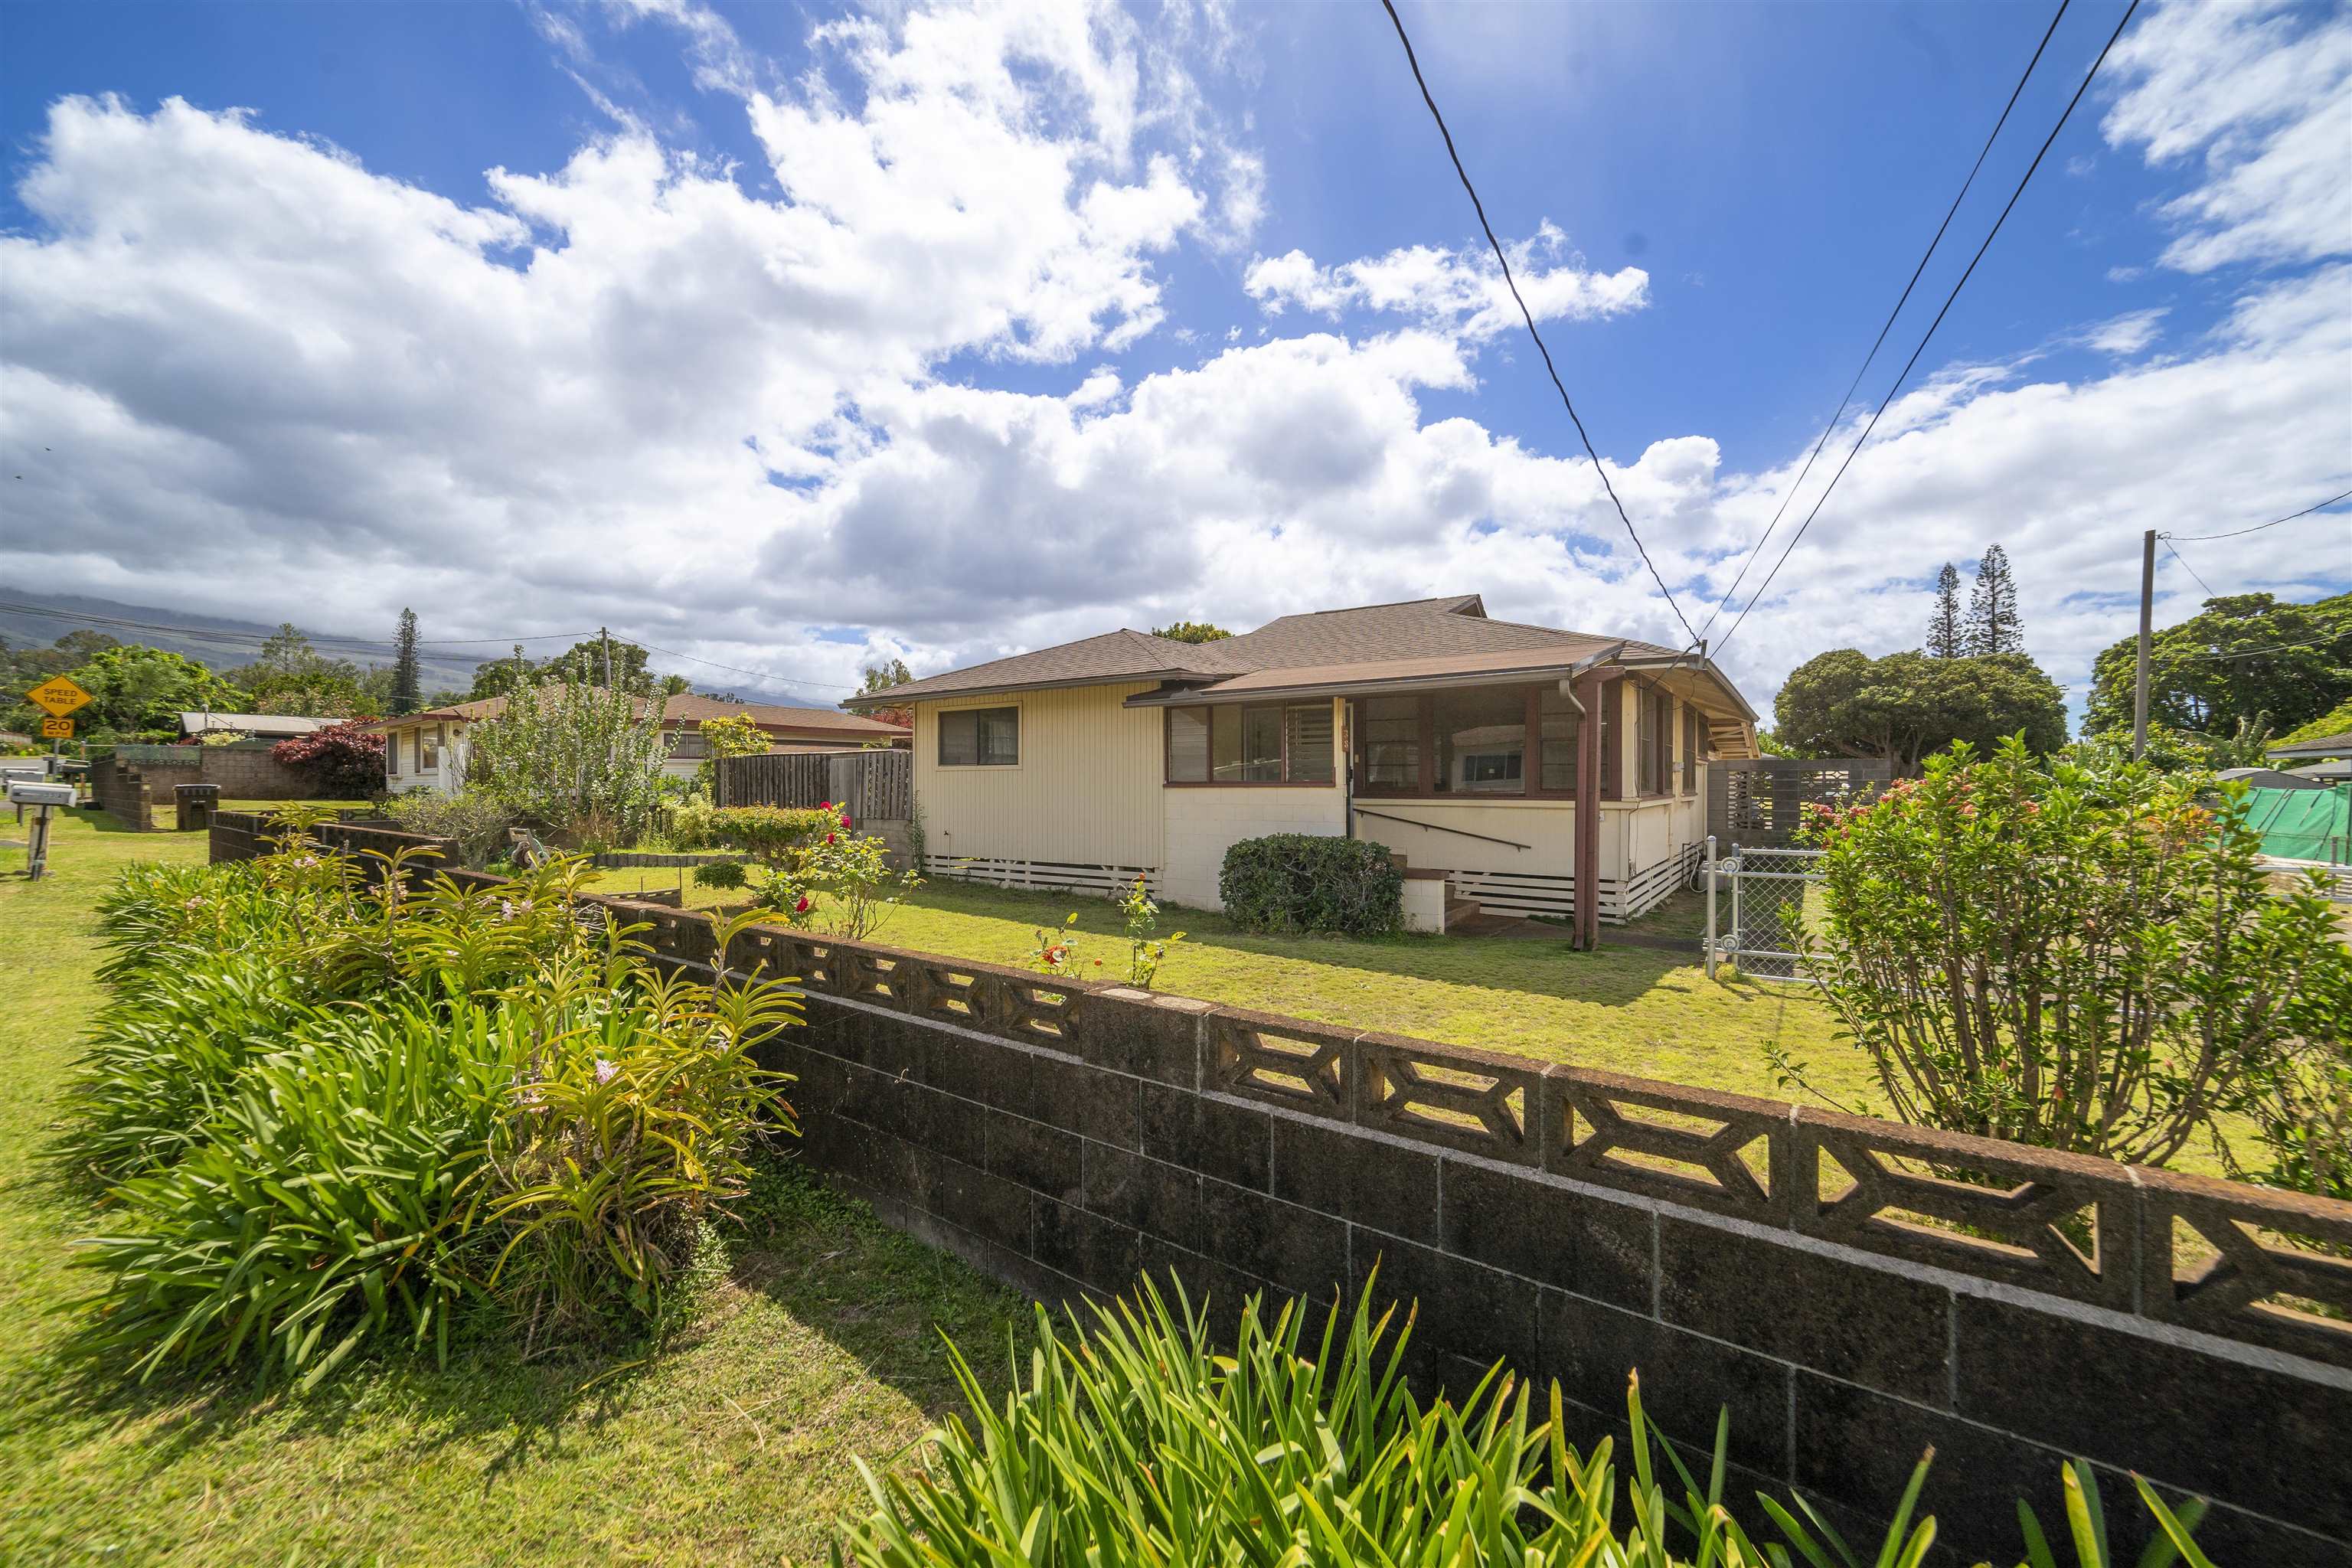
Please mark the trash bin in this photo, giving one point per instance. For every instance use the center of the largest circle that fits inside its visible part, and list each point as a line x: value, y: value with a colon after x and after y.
x: 197, y: 803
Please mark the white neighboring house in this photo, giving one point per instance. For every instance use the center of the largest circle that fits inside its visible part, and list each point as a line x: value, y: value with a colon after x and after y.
x: 429, y: 750
x: 254, y: 726
x: 1484, y: 752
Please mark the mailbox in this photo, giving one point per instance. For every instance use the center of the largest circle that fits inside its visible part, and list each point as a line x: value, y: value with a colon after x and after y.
x: 27, y: 792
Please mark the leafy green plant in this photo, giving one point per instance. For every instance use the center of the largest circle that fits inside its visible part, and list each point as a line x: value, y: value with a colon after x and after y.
x: 1135, y: 1440
x: 2077, y: 958
x: 475, y: 818
x: 772, y: 832
x: 1293, y: 882
x: 735, y: 736
x: 577, y: 757
x: 1057, y: 951
x: 1144, y: 954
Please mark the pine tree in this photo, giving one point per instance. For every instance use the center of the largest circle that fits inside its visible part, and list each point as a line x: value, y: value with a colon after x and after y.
x: 1994, y: 626
x: 1946, y: 634
x: 407, y: 692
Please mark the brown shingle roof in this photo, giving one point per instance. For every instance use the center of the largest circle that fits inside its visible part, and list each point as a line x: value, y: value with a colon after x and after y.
x: 1453, y: 625
x: 2318, y: 746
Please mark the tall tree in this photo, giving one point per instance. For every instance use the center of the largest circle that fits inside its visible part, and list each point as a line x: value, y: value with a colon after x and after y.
x: 882, y: 677
x: 2242, y: 656
x: 289, y: 676
x: 407, y: 683
x: 1947, y: 633
x: 1994, y: 625
x: 1905, y: 706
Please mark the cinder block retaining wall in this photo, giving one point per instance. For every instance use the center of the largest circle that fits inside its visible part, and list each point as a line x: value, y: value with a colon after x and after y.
x: 1580, y: 1224
x: 242, y: 772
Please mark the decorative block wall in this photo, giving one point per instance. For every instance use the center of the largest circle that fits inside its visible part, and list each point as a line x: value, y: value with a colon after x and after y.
x: 1802, y: 1267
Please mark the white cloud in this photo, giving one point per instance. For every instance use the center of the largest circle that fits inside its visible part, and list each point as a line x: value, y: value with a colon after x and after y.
x: 1456, y: 290
x: 630, y: 391
x: 2264, y: 90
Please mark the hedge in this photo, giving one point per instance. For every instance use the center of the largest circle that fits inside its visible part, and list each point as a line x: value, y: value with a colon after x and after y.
x: 1293, y: 882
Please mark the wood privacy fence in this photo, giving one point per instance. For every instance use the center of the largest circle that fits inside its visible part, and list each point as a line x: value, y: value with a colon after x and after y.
x: 877, y: 784
x: 1760, y: 801
x: 1823, y: 1277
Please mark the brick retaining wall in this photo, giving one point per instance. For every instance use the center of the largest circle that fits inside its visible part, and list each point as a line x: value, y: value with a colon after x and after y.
x: 245, y: 772
x: 1579, y: 1224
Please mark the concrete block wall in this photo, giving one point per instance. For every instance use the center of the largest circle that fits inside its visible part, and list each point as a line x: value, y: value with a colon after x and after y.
x: 1803, y: 1268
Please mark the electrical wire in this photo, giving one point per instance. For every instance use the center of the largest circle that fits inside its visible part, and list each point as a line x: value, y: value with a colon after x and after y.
x: 738, y: 670
x: 2186, y: 567
x: 1528, y: 316
x: 1880, y: 342
x: 2273, y: 522
x: 1913, y: 362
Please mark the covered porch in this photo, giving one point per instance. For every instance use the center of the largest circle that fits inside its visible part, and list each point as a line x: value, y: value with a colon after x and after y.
x: 1517, y: 783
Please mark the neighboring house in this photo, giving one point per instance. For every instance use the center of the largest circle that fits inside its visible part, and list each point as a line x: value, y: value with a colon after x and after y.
x: 2321, y: 748
x: 254, y: 726
x: 1470, y: 746
x: 429, y: 750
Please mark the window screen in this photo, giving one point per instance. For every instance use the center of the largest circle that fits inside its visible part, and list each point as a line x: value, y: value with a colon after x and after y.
x: 1306, y: 735
x: 1556, y: 719
x: 979, y: 737
x: 1690, y: 750
x: 1188, y: 745
x: 1391, y: 742
x: 1482, y: 742
x: 428, y: 747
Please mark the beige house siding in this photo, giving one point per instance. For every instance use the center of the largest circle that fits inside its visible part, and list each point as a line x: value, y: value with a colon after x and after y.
x: 1085, y: 790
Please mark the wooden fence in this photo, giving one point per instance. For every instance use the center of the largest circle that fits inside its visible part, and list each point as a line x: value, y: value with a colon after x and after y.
x: 876, y: 785
x: 1759, y: 802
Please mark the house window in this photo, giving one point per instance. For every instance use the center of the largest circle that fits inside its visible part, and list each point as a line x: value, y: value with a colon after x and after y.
x: 1560, y: 728
x: 1690, y: 749
x: 391, y: 756
x: 1482, y: 742
x: 428, y: 748
x: 1391, y: 743
x: 1254, y: 744
x: 979, y: 738
x: 1653, y: 743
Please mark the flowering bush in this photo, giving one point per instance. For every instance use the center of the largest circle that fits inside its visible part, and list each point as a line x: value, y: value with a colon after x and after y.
x: 576, y: 757
x: 1143, y: 953
x: 2081, y: 958
x: 345, y: 761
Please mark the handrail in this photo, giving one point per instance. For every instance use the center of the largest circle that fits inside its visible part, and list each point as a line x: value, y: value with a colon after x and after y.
x: 1439, y: 828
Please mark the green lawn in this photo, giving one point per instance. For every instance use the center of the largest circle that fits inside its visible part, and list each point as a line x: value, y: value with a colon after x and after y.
x: 1629, y: 1009
x: 816, y: 1340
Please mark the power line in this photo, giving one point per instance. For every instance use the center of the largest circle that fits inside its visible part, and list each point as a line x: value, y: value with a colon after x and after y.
x: 2273, y: 522
x: 762, y: 674
x: 1913, y: 362
x: 1528, y: 316
x: 2276, y: 648
x: 2167, y: 542
x: 1791, y: 493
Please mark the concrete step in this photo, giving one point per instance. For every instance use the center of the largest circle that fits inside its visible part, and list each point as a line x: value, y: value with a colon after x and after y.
x: 1460, y: 909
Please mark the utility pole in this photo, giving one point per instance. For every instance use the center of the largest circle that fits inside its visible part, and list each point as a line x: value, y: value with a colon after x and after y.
x: 2147, y: 617
x: 606, y: 639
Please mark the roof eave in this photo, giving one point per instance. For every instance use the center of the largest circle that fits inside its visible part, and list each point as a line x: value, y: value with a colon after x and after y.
x: 1361, y: 687
x: 898, y: 697
x: 1678, y: 660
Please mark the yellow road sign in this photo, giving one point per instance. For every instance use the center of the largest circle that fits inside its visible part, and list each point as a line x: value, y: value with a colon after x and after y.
x: 57, y: 728
x: 59, y: 696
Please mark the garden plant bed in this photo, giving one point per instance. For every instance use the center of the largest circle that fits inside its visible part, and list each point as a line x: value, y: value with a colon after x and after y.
x: 815, y: 1337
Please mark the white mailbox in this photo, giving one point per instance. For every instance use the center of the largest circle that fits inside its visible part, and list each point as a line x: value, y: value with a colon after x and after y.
x: 28, y: 792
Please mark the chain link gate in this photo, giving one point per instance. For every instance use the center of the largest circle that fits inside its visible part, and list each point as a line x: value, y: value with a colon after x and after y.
x: 1766, y: 891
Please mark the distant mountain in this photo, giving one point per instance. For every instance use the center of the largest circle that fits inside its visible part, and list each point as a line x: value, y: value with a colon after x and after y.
x: 36, y: 620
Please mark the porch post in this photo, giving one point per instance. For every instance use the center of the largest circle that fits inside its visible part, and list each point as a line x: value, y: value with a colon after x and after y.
x: 1592, y: 691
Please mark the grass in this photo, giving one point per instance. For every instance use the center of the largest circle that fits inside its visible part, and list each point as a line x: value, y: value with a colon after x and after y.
x: 815, y: 1338
x: 1627, y: 1008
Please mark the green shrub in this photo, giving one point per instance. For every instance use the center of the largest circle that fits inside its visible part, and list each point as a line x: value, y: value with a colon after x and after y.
x: 477, y: 819
x: 731, y: 874
x: 690, y: 824
x: 771, y: 832
x: 1138, y: 1442
x: 2079, y: 958
x: 332, y: 1107
x: 1294, y: 882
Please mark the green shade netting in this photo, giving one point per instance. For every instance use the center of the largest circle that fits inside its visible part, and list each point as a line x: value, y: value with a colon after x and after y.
x: 2303, y: 824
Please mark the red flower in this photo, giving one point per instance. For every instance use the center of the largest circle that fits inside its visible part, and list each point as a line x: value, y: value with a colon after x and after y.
x: 824, y: 806
x: 801, y: 907
x: 828, y: 838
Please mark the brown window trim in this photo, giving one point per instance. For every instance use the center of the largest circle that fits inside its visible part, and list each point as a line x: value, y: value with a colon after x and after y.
x: 1531, y: 770
x: 1167, y: 759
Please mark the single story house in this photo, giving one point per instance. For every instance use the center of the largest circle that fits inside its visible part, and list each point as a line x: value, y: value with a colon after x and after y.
x: 1503, y: 762
x: 254, y: 726
x: 429, y: 750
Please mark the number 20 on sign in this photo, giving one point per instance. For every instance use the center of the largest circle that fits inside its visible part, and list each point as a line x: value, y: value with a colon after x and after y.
x: 57, y: 728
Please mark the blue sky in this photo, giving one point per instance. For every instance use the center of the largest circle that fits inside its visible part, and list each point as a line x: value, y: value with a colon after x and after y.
x: 1734, y: 192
